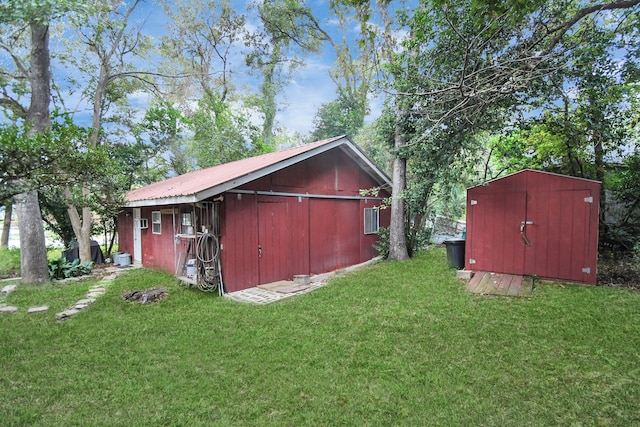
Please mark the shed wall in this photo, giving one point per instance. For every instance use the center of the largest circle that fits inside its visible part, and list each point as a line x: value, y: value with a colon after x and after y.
x: 559, y: 238
x: 269, y: 238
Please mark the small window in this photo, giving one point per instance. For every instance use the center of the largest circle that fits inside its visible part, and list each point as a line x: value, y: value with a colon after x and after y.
x: 186, y: 219
x: 156, y: 222
x: 186, y: 223
x: 371, y: 220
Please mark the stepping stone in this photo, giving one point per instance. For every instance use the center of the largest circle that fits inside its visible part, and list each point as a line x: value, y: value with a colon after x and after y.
x: 6, y: 290
x: 78, y: 306
x: 95, y: 294
x: 98, y: 289
x: 86, y: 301
x: 39, y: 309
x: 109, y: 278
x: 464, y: 274
x: 64, y: 315
x: 8, y: 309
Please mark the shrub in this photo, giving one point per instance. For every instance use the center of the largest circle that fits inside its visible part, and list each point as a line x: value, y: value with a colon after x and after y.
x: 382, y: 245
x: 63, y: 269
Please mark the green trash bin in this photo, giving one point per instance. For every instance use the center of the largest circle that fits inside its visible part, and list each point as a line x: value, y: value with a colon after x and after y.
x: 455, y: 253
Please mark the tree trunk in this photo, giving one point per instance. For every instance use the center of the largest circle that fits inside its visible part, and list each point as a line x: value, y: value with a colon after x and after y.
x: 6, y: 226
x: 33, y: 250
x: 599, y: 164
x: 34, y: 266
x: 397, y: 235
x: 269, y: 90
x: 81, y: 226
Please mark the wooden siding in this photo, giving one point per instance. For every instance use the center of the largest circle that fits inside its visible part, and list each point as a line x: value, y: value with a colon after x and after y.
x: 239, y: 242
x: 561, y: 239
x: 125, y: 231
x: 330, y: 173
x: 335, y: 234
x: 270, y: 238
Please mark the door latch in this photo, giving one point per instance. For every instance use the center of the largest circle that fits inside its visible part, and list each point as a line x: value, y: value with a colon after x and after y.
x: 259, y: 251
x: 523, y: 225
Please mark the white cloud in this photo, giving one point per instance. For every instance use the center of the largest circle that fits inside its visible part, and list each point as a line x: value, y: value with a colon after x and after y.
x: 310, y: 88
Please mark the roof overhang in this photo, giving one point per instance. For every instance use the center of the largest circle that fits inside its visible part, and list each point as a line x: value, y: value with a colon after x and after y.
x: 484, y: 184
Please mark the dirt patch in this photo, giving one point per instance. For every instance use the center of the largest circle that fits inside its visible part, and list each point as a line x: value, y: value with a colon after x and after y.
x: 146, y: 296
x: 619, y: 273
x: 11, y: 274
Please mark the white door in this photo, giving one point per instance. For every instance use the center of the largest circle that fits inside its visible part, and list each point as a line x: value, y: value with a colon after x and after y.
x: 137, y: 237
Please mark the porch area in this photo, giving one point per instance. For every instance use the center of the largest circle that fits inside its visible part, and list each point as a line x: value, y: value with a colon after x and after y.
x: 273, y: 292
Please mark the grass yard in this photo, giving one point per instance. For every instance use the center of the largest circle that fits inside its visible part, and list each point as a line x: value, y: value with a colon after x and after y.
x: 399, y: 343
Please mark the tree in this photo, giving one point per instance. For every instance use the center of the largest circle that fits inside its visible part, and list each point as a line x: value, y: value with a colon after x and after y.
x: 221, y: 135
x: 33, y: 254
x: 163, y: 127
x: 344, y: 115
x: 202, y: 35
x: 29, y: 161
x: 355, y: 65
x: 6, y: 224
x: 590, y: 110
x: 624, y: 216
x: 290, y: 30
x: 108, y: 37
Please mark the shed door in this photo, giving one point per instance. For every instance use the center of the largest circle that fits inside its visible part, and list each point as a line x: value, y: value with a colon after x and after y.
x: 273, y: 241
x: 558, y: 234
x: 496, y: 243
x: 546, y: 233
x: 137, y: 237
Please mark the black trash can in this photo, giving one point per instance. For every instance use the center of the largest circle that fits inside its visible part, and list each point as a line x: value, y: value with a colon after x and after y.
x: 455, y: 253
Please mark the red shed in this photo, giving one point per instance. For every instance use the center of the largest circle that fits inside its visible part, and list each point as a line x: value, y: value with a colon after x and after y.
x: 534, y: 223
x: 261, y: 219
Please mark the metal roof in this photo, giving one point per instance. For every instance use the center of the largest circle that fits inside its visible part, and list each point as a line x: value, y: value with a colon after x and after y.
x: 204, y: 183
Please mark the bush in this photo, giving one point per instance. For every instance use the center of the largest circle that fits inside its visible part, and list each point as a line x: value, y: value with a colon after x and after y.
x: 421, y: 242
x: 382, y: 245
x: 63, y: 269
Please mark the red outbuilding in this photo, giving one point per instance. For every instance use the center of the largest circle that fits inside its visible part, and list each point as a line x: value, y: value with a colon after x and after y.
x: 534, y: 223
x: 261, y: 219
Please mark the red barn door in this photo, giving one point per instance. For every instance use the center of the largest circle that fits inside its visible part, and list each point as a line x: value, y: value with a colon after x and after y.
x: 273, y: 241
x: 496, y: 243
x: 558, y: 231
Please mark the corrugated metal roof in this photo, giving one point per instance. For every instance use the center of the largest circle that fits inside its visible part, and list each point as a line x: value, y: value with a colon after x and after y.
x: 201, y: 184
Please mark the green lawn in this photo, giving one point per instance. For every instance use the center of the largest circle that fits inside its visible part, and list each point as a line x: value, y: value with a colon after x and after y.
x: 396, y: 344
